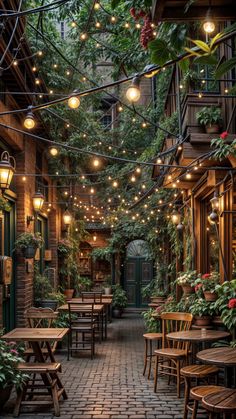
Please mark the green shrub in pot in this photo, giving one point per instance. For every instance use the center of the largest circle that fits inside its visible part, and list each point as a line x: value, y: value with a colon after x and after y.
x: 210, y: 117
x: 119, y: 300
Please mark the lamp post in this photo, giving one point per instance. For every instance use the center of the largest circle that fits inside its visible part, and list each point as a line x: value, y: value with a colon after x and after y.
x: 67, y: 219
x: 7, y: 170
x: 38, y: 201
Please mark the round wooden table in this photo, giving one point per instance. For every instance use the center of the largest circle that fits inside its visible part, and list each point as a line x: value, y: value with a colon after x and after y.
x: 198, y: 336
x: 223, y: 357
x: 201, y: 335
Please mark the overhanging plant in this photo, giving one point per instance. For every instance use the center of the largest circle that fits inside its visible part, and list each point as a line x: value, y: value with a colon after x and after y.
x: 4, y: 205
x: 26, y: 240
x: 226, y: 303
x: 201, y: 307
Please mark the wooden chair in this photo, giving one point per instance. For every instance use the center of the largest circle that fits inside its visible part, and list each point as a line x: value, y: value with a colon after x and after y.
x: 221, y: 402
x: 96, y: 298
x: 82, y: 324
x: 197, y: 373
x: 40, y: 317
x: 149, y: 338
x: 173, y: 354
x: 197, y: 394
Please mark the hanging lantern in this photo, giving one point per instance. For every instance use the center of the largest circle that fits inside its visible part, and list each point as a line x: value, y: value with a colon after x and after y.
x: 38, y: 201
x: 213, y: 217
x: 215, y: 202
x: 67, y: 218
x: 29, y: 121
x: 73, y: 102
x: 6, y: 170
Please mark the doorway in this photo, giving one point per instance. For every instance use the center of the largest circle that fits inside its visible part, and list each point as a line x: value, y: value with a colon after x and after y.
x: 138, y: 272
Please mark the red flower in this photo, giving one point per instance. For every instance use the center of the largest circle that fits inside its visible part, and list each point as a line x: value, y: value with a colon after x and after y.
x: 133, y: 12
x: 141, y: 13
x: 205, y: 276
x: 232, y: 303
x: 197, y: 287
x: 224, y: 135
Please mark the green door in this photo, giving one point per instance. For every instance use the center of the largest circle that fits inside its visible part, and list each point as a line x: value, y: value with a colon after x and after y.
x: 138, y: 274
x: 8, y: 307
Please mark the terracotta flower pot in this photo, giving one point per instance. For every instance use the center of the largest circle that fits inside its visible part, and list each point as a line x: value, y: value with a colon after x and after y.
x: 210, y: 296
x: 69, y: 293
x: 212, y: 129
x: 158, y: 300
x: 202, y: 321
x: 187, y: 289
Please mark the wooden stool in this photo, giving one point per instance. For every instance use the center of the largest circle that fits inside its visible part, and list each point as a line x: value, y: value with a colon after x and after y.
x: 148, y: 354
x: 223, y: 401
x: 51, y: 386
x: 198, y: 372
x: 197, y: 393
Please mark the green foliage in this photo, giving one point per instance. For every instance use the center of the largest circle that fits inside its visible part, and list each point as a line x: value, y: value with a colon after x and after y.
x: 226, y: 303
x: 223, y: 149
x: 10, y: 355
x: 186, y: 278
x: 201, y: 307
x: 119, y: 298
x: 104, y: 253
x: 25, y: 240
x: 4, y: 204
x: 151, y: 324
x: 209, y: 115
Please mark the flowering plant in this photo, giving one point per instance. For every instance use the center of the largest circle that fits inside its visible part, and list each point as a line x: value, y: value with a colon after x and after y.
x: 10, y: 356
x: 226, y: 303
x: 186, y: 278
x: 222, y: 148
x: 209, y: 281
x: 201, y: 307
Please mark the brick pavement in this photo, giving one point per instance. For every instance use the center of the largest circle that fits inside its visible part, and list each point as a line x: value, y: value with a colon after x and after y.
x: 112, y: 385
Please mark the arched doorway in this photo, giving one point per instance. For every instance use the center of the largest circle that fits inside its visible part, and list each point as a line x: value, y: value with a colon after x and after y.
x: 138, y: 271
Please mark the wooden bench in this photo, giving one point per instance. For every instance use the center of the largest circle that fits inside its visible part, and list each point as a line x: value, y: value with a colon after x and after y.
x: 50, y: 385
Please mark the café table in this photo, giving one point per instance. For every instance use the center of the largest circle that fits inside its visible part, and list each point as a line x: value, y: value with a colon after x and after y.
x: 97, y: 308
x: 37, y: 338
x: 198, y: 336
x: 224, y: 357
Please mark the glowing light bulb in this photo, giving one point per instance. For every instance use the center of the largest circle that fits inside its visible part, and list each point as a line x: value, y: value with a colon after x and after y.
x: 15, y: 63
x: 67, y: 72
x: 34, y: 68
x: 209, y: 26
x: 40, y: 53
x: 133, y: 92
x: 96, y: 5
x: 137, y: 26
x: 96, y: 162
x: 98, y: 25
x: 113, y: 19
x: 37, y: 81
x: 144, y: 125
x: 83, y: 36
x: 29, y: 121
x: 188, y: 175
x: 73, y: 102
x: 24, y: 179
x: 120, y: 108
x: 53, y: 151
x: 127, y: 25
x: 92, y: 190
x: 138, y: 170
x: 73, y: 24
x: 133, y: 178
x: 115, y: 184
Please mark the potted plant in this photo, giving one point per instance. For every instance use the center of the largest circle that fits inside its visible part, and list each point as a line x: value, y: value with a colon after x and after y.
x: 107, y: 286
x: 28, y: 243
x: 210, y: 117
x: 44, y: 294
x: 151, y: 324
x: 10, y: 356
x: 209, y: 282
x: 119, y: 300
x: 202, y: 311
x: 186, y: 281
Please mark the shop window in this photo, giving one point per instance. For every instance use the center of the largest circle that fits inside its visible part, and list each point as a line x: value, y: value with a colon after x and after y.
x: 212, y: 242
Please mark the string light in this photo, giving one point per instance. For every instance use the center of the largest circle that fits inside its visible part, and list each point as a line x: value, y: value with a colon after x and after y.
x: 127, y: 25
x: 29, y: 121
x: 120, y: 108
x: 133, y: 92
x: 24, y: 179
x: 137, y: 26
x: 40, y: 53
x: 98, y: 25
x: 15, y: 63
x: 53, y: 151
x: 133, y: 178
x: 96, y: 163
x: 73, y: 24
x: 113, y: 19
x: 83, y: 36
x: 188, y: 175
x: 96, y: 6
x: 115, y: 184
x: 37, y: 81
x: 138, y: 170
x: 73, y: 102
x: 144, y: 125
x: 34, y: 69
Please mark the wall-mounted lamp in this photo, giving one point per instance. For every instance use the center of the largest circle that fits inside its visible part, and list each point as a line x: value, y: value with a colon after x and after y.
x: 7, y: 170
x: 215, y: 202
x: 175, y: 217
x: 38, y: 201
x: 67, y: 218
x: 94, y: 238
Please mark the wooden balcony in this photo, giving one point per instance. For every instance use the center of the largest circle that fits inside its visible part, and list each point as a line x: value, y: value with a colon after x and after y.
x: 175, y: 10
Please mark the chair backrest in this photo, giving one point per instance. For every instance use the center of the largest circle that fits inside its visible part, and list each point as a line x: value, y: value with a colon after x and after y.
x: 92, y: 296
x: 175, y: 322
x: 79, y: 313
x: 40, y: 317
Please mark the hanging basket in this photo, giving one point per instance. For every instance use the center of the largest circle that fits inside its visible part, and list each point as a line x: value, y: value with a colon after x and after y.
x: 212, y: 129
x: 29, y: 252
x: 210, y: 296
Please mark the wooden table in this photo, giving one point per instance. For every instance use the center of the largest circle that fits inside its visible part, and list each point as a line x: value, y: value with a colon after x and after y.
x: 36, y: 337
x: 224, y: 357
x: 198, y: 336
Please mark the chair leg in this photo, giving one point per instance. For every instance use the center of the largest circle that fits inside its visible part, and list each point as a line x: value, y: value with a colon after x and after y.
x: 178, y: 377
x: 150, y: 359
x: 195, y: 409
x: 186, y: 397
x: 156, y: 374
x: 20, y: 397
x: 145, y: 357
